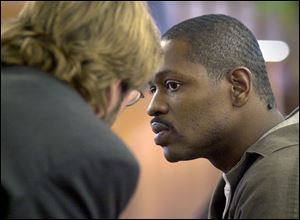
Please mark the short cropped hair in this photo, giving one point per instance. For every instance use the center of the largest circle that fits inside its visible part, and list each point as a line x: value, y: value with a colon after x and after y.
x: 89, y: 44
x: 222, y: 43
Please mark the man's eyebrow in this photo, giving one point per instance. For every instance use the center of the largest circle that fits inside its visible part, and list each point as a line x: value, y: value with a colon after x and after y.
x: 167, y: 71
x: 163, y: 73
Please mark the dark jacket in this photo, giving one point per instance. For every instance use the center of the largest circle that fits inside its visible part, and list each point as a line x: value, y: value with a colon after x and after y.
x: 58, y: 160
x: 265, y: 183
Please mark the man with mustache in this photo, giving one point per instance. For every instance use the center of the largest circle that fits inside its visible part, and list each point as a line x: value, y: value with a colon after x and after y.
x: 212, y: 99
x: 67, y: 69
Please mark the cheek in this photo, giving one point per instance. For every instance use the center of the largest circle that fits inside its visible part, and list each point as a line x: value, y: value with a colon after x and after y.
x: 192, y: 113
x: 202, y: 116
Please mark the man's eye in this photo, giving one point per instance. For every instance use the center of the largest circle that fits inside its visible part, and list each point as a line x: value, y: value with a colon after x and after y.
x: 152, y: 89
x: 172, y: 86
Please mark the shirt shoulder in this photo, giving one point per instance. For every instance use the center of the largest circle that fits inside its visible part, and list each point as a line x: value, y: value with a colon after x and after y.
x: 270, y: 187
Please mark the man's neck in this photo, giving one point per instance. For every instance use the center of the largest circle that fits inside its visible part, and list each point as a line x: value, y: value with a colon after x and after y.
x: 243, y: 136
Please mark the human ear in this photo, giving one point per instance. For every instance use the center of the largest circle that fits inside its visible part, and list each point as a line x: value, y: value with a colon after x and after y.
x: 113, y: 95
x: 241, y: 82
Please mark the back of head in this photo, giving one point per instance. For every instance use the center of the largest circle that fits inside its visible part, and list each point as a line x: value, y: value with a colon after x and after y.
x: 87, y: 44
x: 222, y: 43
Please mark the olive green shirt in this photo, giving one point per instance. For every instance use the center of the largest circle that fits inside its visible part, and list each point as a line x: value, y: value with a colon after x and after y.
x: 265, y: 182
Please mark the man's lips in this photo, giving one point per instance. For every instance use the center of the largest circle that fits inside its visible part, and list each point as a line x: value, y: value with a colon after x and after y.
x: 158, y: 127
x: 159, y: 124
x: 162, y: 130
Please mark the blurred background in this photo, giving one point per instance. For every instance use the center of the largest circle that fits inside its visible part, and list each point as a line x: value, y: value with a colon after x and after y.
x: 183, y: 189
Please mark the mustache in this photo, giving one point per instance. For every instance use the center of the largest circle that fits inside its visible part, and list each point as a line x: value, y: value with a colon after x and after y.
x: 161, y: 121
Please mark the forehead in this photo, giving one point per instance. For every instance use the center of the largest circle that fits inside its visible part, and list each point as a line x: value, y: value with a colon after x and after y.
x: 175, y: 51
x: 176, y: 61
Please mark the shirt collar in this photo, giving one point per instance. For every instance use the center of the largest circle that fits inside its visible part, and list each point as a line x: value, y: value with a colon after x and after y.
x: 265, y: 146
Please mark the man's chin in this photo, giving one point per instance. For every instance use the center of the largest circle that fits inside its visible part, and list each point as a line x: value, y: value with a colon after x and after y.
x: 170, y: 156
x: 111, y: 117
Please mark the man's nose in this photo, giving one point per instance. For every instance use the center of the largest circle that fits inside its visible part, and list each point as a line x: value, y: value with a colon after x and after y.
x: 157, y: 106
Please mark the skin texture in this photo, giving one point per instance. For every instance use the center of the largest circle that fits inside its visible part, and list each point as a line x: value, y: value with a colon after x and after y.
x: 117, y: 101
x: 114, y: 105
x: 194, y: 117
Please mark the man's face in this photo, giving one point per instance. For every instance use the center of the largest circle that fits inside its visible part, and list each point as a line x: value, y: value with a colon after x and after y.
x: 191, y: 116
x: 111, y: 116
x: 118, y: 101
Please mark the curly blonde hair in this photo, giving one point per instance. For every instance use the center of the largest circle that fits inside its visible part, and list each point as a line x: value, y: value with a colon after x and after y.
x: 86, y: 44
